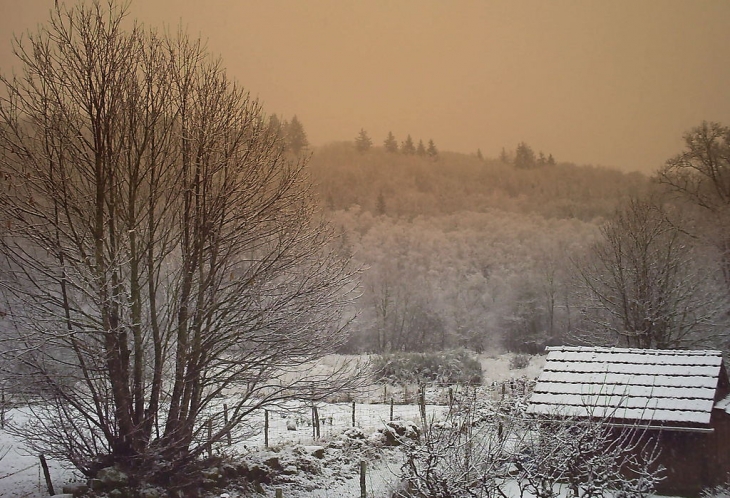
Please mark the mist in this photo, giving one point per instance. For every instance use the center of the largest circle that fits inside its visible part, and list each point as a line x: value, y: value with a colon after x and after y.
x: 604, y: 83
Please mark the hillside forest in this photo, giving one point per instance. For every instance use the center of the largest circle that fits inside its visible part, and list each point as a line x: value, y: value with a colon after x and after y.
x: 520, y: 251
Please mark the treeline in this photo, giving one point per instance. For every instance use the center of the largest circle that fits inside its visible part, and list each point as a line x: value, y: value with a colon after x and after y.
x: 465, y: 251
x: 478, y: 253
x: 401, y: 185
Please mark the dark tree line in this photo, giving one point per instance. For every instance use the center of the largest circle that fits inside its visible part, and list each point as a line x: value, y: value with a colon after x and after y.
x: 291, y: 134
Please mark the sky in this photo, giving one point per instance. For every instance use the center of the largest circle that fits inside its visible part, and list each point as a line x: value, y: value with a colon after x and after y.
x: 614, y: 83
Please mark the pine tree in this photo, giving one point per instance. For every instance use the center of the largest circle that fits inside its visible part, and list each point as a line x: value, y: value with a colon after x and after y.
x: 407, y: 147
x: 363, y: 142
x: 390, y: 143
x: 524, y: 156
x: 380, y: 207
x: 421, y: 149
x: 296, y: 137
x: 479, y: 155
x: 551, y: 160
x: 275, y: 128
x: 432, y: 151
x: 504, y: 157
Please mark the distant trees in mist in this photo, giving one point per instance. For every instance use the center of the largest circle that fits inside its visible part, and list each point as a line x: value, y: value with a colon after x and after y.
x: 292, y: 136
x: 407, y: 146
x: 500, y: 252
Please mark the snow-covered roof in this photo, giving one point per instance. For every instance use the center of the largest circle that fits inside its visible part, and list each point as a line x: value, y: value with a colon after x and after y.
x: 646, y: 385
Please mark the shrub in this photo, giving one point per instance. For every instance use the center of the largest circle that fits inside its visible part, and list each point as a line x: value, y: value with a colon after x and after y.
x: 722, y: 491
x: 443, y: 367
x: 519, y: 361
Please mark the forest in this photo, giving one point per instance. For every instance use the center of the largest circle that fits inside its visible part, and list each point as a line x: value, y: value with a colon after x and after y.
x: 462, y: 251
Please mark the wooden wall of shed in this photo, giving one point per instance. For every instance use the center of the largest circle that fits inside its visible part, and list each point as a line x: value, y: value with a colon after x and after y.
x: 720, y: 422
x: 688, y: 459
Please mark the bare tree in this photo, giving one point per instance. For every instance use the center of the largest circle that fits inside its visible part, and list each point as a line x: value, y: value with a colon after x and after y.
x: 701, y: 175
x: 158, y: 250
x: 587, y: 457
x: 644, y: 286
x: 487, y: 449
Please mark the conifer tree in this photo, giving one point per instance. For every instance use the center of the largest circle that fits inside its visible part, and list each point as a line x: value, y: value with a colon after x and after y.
x: 295, y: 136
x: 432, y: 151
x: 363, y: 142
x: 524, y: 156
x: 407, y: 147
x: 421, y: 149
x: 504, y: 157
x: 390, y: 143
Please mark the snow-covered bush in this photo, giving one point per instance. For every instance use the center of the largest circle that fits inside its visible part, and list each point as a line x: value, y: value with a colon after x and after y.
x: 519, y: 361
x: 586, y: 458
x: 485, y: 449
x: 443, y: 367
x: 465, y: 454
x: 721, y: 491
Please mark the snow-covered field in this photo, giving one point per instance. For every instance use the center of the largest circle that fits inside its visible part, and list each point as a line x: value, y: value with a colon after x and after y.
x: 21, y: 475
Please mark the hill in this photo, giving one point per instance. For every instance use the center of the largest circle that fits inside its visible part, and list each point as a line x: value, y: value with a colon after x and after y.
x: 410, y: 185
x: 463, y: 252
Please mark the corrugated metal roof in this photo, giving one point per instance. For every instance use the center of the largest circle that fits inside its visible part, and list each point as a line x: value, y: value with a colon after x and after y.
x: 646, y: 385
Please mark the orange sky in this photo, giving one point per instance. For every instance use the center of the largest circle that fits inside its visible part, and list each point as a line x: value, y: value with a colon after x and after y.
x: 594, y: 82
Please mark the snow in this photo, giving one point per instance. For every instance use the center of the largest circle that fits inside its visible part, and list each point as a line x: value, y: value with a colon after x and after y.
x: 21, y: 477
x: 645, y: 385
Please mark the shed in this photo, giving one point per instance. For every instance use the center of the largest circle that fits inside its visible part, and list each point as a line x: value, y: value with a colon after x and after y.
x: 679, y: 396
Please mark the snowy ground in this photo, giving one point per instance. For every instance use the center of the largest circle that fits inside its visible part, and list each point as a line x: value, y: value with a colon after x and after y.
x: 21, y: 476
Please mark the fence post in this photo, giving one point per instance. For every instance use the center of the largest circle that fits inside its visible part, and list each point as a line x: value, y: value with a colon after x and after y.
x: 2, y: 409
x: 279, y: 493
x: 225, y: 420
x: 47, y: 475
x: 317, y: 421
x: 385, y: 392
x: 391, y: 408
x: 422, y: 404
x: 353, y: 414
x: 363, y: 470
x: 266, y: 428
x: 210, y: 438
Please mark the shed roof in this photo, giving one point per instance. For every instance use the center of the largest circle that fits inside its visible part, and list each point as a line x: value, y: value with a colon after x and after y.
x: 645, y: 385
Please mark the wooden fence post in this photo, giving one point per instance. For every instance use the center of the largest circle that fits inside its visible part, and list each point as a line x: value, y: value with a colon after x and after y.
x: 47, y: 475
x: 225, y: 420
x: 279, y: 493
x: 363, y: 470
x: 266, y: 428
x: 2, y: 409
x: 210, y: 438
x: 422, y: 404
x: 317, y: 421
x: 353, y: 414
x: 391, y: 408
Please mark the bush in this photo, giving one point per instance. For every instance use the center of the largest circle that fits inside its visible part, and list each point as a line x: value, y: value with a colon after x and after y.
x: 722, y: 491
x: 519, y: 361
x: 444, y: 368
